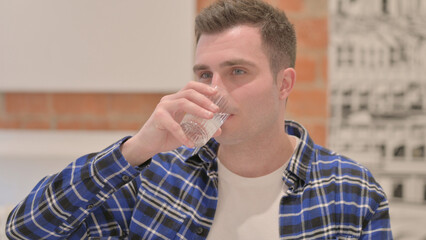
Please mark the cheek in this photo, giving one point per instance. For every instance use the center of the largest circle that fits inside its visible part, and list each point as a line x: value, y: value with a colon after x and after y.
x: 256, y: 99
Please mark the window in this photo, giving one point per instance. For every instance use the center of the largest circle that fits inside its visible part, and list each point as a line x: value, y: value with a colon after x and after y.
x: 415, y: 96
x: 364, y: 100
x: 398, y: 104
x: 362, y: 57
x: 339, y: 7
x: 398, y: 54
x: 403, y: 53
x: 372, y: 58
x: 419, y: 5
x: 419, y: 152
x: 339, y: 56
x: 398, y: 191
x: 424, y: 192
x: 381, y: 57
x: 345, y: 55
x: 382, y: 150
x: 399, y: 151
x: 393, y: 54
x: 346, y: 111
x: 385, y: 6
x: 346, y: 103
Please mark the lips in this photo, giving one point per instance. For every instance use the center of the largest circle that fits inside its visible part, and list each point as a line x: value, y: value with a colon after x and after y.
x: 229, y: 117
x: 230, y: 110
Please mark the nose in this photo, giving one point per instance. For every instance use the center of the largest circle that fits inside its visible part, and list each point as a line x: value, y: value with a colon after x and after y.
x: 216, y: 81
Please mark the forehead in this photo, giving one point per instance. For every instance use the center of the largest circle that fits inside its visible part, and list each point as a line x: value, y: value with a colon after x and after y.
x: 242, y: 42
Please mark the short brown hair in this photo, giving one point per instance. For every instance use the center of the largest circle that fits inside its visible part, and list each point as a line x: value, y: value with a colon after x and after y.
x: 278, y: 34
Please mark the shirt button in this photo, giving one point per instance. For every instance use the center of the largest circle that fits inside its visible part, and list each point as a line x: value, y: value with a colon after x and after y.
x: 199, y: 230
x: 90, y: 206
x: 125, y: 178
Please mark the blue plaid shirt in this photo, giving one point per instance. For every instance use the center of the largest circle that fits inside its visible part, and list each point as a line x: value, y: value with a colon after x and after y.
x: 174, y: 196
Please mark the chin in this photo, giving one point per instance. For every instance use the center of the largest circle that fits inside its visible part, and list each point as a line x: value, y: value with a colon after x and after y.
x: 226, y: 141
x: 228, y: 129
x: 228, y: 138
x: 228, y: 121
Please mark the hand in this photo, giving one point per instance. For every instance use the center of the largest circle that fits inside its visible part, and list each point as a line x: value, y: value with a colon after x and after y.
x: 162, y: 131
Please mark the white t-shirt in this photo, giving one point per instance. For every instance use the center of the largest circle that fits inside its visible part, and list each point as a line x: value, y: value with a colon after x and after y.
x: 248, y: 208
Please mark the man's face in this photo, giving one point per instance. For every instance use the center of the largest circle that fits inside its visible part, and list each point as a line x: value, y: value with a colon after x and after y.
x: 234, y: 60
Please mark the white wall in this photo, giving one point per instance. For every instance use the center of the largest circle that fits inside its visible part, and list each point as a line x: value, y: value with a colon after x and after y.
x: 26, y: 156
x: 96, y: 45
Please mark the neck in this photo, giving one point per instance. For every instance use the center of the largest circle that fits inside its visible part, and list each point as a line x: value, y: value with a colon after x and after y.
x: 257, y: 158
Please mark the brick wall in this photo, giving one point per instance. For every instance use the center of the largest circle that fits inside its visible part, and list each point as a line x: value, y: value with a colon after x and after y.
x: 83, y: 111
x: 111, y: 111
x: 308, y: 102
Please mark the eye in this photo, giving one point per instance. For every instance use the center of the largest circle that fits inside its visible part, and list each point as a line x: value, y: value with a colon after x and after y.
x: 205, y: 76
x: 238, y: 71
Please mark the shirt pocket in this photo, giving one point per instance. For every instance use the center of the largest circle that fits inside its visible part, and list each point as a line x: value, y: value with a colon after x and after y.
x: 104, y: 226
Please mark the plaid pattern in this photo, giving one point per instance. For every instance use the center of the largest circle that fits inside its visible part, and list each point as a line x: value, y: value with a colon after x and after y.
x: 174, y: 196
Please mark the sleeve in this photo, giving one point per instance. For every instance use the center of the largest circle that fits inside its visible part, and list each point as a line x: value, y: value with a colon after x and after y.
x: 60, y: 203
x: 378, y: 225
x: 376, y: 221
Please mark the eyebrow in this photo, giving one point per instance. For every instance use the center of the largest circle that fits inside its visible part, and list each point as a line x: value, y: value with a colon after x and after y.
x: 199, y: 67
x: 233, y: 62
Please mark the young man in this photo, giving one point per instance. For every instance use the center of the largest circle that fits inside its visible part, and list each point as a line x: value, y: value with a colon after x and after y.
x: 261, y: 177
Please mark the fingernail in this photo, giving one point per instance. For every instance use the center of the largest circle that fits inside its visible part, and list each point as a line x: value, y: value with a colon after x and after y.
x: 209, y: 114
x: 214, y: 107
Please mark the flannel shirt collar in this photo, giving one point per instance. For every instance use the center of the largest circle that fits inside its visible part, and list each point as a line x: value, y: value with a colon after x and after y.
x: 298, y: 170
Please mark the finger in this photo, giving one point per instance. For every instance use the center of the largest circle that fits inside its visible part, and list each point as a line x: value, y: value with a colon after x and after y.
x: 201, y: 88
x: 168, y: 124
x: 198, y: 93
x: 188, y: 107
x: 189, y: 101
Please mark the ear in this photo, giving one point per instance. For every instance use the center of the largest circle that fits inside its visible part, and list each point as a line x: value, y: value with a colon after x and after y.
x: 285, y: 82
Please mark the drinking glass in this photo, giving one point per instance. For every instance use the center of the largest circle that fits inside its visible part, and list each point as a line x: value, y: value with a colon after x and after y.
x: 200, y: 130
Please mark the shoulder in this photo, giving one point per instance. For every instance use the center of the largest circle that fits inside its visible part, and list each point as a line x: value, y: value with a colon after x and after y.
x: 332, y: 163
x: 345, y: 172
